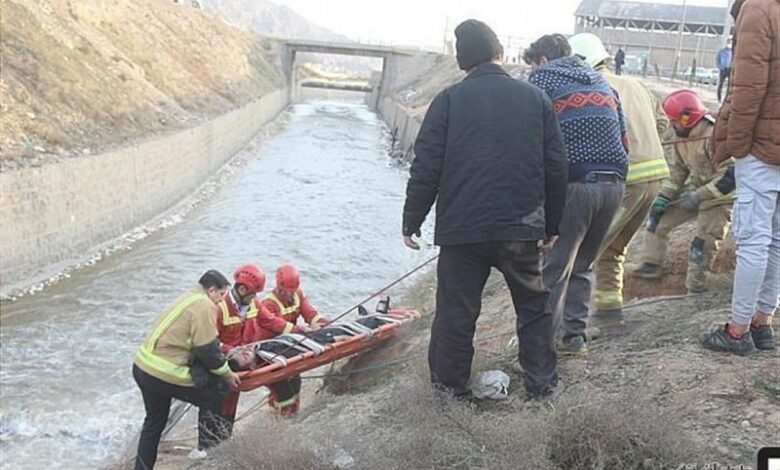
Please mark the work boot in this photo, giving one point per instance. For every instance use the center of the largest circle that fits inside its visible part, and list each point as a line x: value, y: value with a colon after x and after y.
x: 763, y: 337
x: 549, y: 393
x: 696, y: 281
x: 648, y: 271
x: 573, y: 346
x: 607, y: 317
x: 720, y: 340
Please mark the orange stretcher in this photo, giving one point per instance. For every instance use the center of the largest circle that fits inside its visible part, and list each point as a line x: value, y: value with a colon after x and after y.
x: 358, y: 338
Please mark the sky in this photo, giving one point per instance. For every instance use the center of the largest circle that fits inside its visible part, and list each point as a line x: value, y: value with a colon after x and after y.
x: 423, y: 22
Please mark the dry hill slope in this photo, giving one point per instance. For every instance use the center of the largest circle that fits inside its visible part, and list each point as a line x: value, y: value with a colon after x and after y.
x: 80, y: 76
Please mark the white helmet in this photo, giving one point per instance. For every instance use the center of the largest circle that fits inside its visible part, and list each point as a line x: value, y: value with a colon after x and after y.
x: 589, y: 47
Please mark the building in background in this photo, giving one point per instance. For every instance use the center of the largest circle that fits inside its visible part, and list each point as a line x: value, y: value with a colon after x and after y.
x: 651, y: 32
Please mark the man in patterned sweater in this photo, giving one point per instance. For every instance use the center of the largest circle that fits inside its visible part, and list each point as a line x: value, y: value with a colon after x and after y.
x: 594, y: 131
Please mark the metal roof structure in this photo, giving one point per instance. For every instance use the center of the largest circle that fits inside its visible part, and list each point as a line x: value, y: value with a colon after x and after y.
x: 651, y: 16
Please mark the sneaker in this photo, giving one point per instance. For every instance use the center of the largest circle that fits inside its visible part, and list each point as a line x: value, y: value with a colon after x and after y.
x: 763, y: 337
x: 720, y: 340
x: 197, y: 454
x: 573, y: 346
x: 648, y: 271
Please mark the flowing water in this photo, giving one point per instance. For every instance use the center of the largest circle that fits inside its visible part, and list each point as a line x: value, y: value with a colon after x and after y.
x: 323, y: 193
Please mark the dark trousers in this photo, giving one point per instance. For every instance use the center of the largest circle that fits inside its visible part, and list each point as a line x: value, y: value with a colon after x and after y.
x: 463, y: 271
x: 618, y: 69
x: 568, y: 268
x: 724, y: 74
x: 157, y: 396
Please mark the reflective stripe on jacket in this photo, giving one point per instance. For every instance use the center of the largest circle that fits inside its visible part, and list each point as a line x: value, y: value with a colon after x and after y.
x: 646, y: 121
x: 166, y: 351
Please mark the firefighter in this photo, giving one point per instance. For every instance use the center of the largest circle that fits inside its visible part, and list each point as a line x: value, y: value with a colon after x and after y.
x: 647, y: 168
x: 696, y: 189
x: 184, y: 334
x: 241, y: 319
x: 288, y: 302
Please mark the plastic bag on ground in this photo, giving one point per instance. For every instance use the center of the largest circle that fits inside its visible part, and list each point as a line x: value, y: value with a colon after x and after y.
x: 491, y: 384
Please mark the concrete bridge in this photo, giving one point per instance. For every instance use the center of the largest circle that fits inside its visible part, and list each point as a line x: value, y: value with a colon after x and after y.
x: 294, y: 46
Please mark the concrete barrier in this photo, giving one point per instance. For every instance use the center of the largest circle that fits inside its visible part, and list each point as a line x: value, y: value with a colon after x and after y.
x: 58, y: 212
x: 402, y: 124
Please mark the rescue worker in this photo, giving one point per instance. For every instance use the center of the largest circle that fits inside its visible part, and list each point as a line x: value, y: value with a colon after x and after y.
x: 288, y: 301
x: 183, y: 334
x: 696, y: 189
x: 647, y: 167
x: 241, y: 319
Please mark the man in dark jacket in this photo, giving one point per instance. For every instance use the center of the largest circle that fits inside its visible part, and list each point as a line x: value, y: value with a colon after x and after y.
x: 491, y: 150
x: 620, y: 59
x: 591, y: 119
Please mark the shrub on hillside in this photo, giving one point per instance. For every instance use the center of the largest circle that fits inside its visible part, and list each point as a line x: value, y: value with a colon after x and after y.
x: 620, y: 433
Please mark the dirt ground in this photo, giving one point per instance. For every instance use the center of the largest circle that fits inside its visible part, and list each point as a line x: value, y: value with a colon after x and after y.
x: 79, y: 77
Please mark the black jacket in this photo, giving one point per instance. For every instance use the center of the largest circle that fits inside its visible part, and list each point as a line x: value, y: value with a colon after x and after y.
x: 491, y: 149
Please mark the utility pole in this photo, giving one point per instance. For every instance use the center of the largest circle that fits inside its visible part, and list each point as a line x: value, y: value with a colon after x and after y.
x: 446, y: 31
x: 679, y: 42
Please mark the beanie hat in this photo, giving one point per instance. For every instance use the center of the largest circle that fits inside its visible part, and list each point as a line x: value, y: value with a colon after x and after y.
x: 475, y: 43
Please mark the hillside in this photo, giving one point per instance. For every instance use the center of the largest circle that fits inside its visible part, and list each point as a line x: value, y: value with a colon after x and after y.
x: 266, y: 17
x: 79, y: 77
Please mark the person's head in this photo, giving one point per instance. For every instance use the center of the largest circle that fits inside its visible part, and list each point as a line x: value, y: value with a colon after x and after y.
x: 735, y: 8
x: 243, y: 358
x: 685, y: 110
x: 475, y: 44
x: 590, y: 49
x: 248, y: 281
x: 546, y: 48
x: 288, y: 280
x: 215, y: 284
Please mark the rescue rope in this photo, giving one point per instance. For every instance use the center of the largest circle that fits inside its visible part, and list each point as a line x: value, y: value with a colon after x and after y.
x: 354, y: 307
x: 660, y: 299
x: 682, y: 141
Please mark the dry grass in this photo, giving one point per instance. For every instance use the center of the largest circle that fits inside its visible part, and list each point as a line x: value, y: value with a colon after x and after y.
x: 94, y: 74
x: 618, y: 434
x: 406, y: 426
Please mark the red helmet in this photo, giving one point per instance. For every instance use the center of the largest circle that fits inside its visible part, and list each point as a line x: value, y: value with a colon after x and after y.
x: 250, y: 276
x: 288, y: 277
x: 685, y: 107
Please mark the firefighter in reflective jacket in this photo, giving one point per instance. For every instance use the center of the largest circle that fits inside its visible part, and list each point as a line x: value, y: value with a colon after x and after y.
x: 696, y: 189
x: 241, y: 319
x: 287, y: 301
x: 184, y: 336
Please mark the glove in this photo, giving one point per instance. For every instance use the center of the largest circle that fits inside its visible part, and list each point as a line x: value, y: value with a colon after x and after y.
x: 660, y: 204
x: 690, y: 200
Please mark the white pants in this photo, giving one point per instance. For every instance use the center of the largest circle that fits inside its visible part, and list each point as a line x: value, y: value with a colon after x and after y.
x: 757, y: 230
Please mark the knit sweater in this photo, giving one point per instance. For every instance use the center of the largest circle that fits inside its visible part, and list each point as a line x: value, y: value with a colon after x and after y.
x: 590, y: 115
